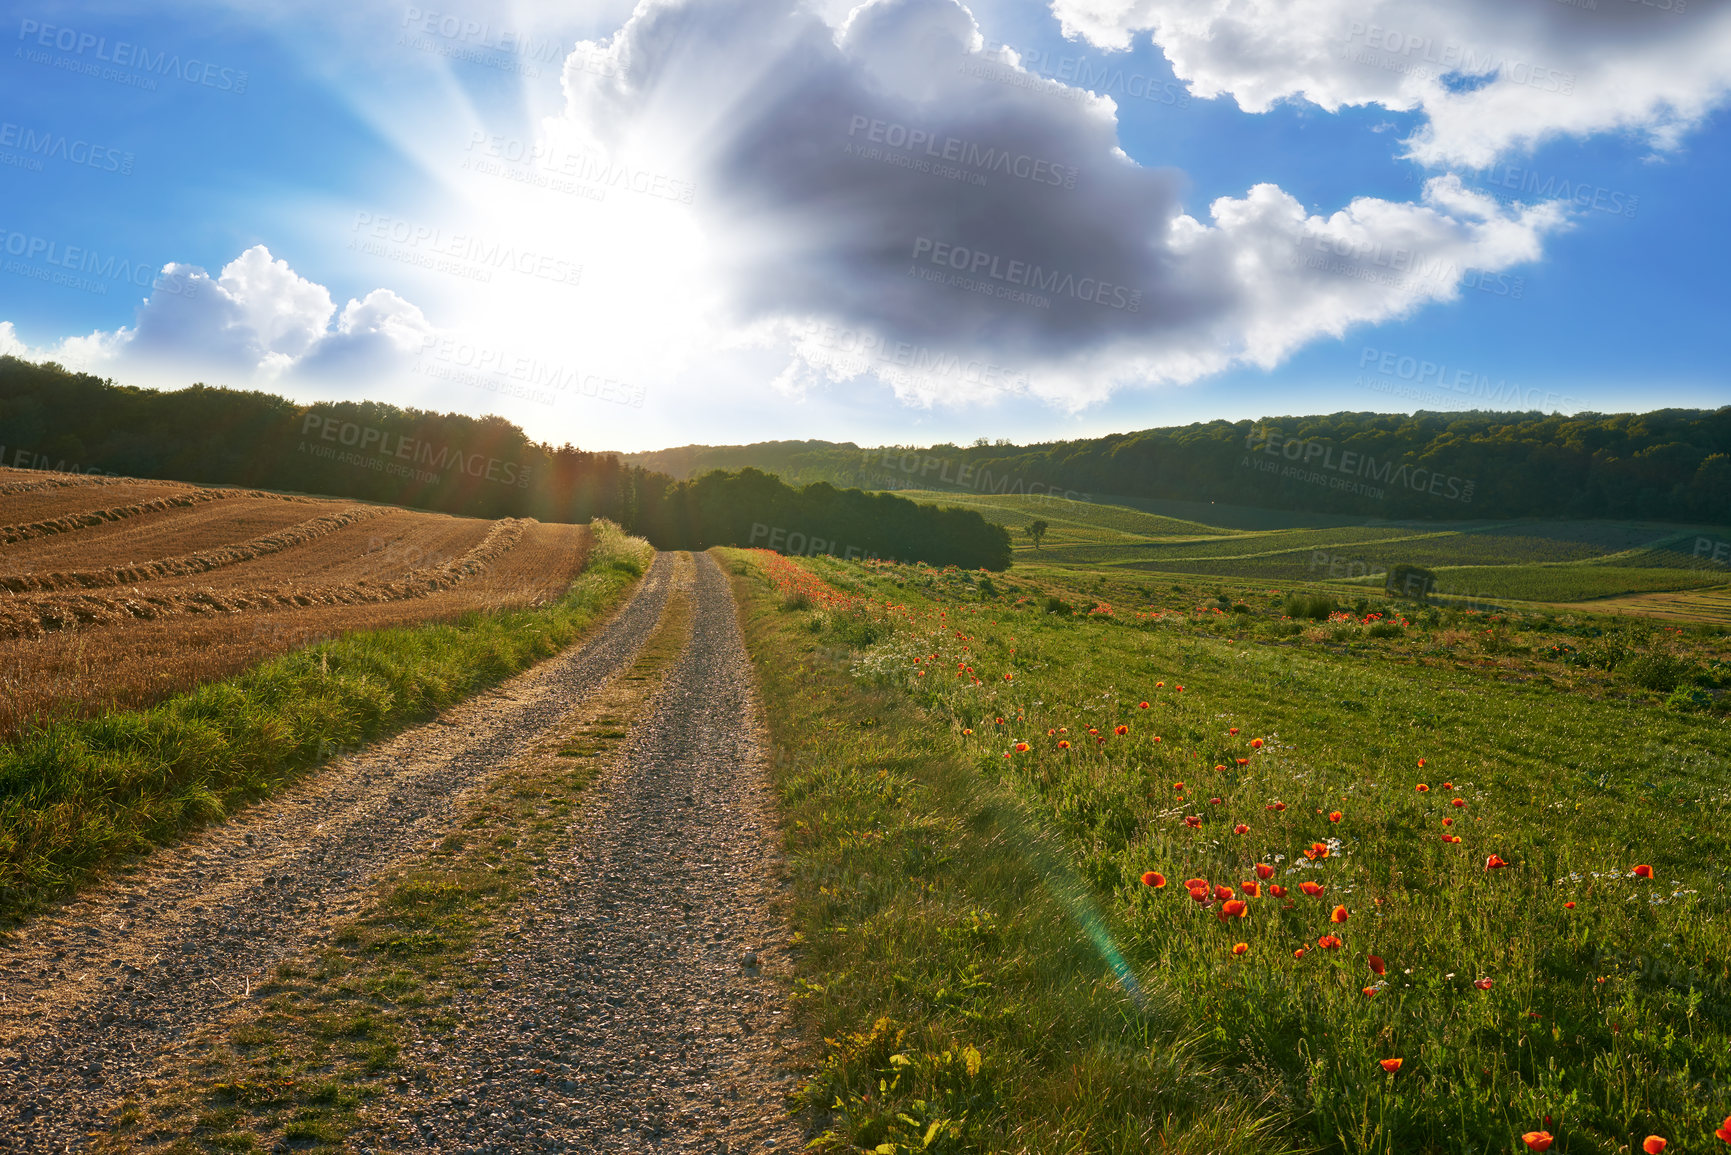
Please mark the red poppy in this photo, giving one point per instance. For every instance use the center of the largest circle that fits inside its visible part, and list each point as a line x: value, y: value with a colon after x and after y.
x: 1482, y: 984
x: 1448, y: 785
x: 1421, y: 763
x: 1495, y: 862
x: 1724, y: 1131
x: 1299, y: 953
x: 1214, y: 801
x: 1391, y: 1065
x: 1459, y: 802
x: 1021, y: 747
x: 1253, y: 889
x: 1451, y: 838
x: 1234, y: 730
x: 1370, y: 992
x: 1277, y: 891
x: 1159, y: 685
x: 1240, y: 947
x: 1280, y: 806
x: 1009, y: 677
x: 1537, y: 1140
x: 1223, y: 892
x: 1338, y: 915
x: 1200, y: 894
x: 1157, y: 737
x: 966, y: 732
x: 1643, y: 871
x: 1652, y: 1145
x: 1121, y: 730
x: 1328, y: 942
x: 1311, y: 888
x: 1256, y: 743
x: 1568, y: 906
x: 1264, y: 870
x: 1334, y: 816
x: 1154, y: 878
x: 1377, y: 965
x: 1177, y: 785
x: 1241, y: 829
x: 1142, y: 705
x: 1448, y: 822
x: 1243, y: 761
x: 1236, y: 908
x: 1193, y: 883
x: 1000, y: 721
x: 1180, y: 689
x: 1093, y: 730
x: 1063, y: 743
x: 1317, y: 851
x: 1423, y: 789
x: 1193, y: 821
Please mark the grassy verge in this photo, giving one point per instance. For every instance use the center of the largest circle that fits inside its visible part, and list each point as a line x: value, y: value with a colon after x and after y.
x: 962, y: 974
x: 77, y: 794
x: 313, y: 1059
x: 1550, y: 987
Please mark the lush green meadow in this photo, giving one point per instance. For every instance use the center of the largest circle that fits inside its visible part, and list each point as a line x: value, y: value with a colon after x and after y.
x: 1525, y: 560
x: 1528, y: 971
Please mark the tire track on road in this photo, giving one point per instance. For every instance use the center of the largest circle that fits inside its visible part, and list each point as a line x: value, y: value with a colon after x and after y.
x: 643, y: 1005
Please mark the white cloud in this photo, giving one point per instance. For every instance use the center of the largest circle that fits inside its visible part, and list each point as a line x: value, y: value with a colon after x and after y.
x: 256, y: 322
x: 861, y: 183
x: 1490, y: 77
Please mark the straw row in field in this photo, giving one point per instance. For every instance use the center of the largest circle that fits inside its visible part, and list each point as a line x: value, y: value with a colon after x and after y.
x: 201, y: 561
x: 137, y: 662
x: 32, y: 615
x: 27, y: 481
x: 10, y: 534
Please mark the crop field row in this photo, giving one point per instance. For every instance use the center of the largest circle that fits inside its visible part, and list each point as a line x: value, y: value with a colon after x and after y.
x: 1404, y: 905
x: 118, y: 612
x: 84, y: 518
x: 32, y: 481
x: 199, y: 562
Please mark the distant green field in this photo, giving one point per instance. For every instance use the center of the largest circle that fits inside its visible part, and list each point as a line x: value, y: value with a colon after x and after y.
x: 1018, y: 511
x: 1553, y: 561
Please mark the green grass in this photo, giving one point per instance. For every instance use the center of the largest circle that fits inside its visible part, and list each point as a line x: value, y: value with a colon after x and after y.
x: 76, y: 795
x: 938, y: 931
x: 1613, y: 1017
x: 1553, y: 560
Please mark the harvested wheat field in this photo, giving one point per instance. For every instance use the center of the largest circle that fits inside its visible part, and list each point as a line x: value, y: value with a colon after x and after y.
x: 116, y: 594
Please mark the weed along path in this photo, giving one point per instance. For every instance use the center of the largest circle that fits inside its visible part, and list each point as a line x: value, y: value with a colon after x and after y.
x: 608, y: 981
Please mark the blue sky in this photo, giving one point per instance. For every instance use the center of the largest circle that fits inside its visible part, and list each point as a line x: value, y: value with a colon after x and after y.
x: 328, y: 158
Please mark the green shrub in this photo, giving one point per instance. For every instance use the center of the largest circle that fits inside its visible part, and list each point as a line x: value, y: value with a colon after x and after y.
x: 1059, y: 606
x: 1689, y: 698
x: 1385, y: 630
x: 1316, y: 607
x: 1658, y: 672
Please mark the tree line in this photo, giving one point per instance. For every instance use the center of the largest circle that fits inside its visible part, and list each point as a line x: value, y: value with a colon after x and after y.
x: 51, y: 418
x: 1667, y: 465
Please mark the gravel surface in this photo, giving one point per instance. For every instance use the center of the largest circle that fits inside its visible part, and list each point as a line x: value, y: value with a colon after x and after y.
x: 92, y: 995
x: 639, y: 1007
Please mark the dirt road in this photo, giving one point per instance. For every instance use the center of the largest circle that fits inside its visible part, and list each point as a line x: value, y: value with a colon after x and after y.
x: 638, y: 979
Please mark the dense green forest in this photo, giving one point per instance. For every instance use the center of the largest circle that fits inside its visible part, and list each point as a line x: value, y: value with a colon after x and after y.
x: 1670, y: 465
x: 474, y: 466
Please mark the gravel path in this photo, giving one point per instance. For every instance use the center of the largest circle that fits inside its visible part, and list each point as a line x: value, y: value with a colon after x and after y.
x: 93, y: 994
x: 638, y: 1008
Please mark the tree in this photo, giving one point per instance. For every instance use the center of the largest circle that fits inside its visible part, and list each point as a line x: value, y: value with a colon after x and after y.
x: 1411, y: 581
x: 1037, y: 530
